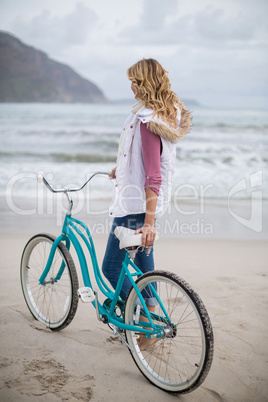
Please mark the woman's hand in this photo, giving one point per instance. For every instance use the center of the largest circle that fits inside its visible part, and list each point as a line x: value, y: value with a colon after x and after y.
x: 112, y: 174
x: 148, y: 234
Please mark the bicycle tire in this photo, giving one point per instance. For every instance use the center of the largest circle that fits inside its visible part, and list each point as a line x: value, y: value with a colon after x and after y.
x: 53, y: 304
x: 180, y: 362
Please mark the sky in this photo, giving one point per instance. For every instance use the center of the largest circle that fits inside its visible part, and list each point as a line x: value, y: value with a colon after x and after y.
x: 216, y: 51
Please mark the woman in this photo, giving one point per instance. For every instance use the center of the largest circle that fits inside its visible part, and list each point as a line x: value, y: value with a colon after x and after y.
x: 145, y: 165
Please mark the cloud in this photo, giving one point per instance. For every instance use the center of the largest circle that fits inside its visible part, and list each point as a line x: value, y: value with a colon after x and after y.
x: 212, y: 52
x: 212, y: 48
x: 52, y: 32
x: 78, y: 24
x: 155, y: 14
x: 208, y: 26
x: 217, y: 25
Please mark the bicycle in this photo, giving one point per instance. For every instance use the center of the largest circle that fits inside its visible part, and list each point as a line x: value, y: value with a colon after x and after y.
x: 180, y: 356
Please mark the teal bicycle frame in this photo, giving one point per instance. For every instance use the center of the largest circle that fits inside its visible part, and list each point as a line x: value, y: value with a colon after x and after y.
x: 70, y: 233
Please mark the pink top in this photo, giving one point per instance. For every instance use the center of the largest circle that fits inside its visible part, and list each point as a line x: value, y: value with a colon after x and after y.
x: 151, y: 147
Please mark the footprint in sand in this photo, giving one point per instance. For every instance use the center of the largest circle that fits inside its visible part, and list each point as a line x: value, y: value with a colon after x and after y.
x: 41, y: 377
x: 114, y: 339
x: 5, y: 362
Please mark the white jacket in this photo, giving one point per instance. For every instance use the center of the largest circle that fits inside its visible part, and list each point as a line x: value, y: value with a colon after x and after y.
x: 129, y: 194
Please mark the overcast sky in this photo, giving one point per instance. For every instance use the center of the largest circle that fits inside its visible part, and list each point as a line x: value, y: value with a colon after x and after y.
x: 215, y: 50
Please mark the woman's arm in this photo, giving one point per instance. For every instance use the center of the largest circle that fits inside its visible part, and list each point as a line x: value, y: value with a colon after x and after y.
x: 148, y: 230
x: 151, y: 147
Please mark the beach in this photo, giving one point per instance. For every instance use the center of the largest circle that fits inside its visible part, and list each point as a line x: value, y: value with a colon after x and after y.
x: 85, y: 361
x: 214, y: 235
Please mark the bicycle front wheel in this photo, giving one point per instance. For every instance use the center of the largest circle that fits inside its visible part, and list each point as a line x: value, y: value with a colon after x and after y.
x: 179, y: 361
x: 55, y: 302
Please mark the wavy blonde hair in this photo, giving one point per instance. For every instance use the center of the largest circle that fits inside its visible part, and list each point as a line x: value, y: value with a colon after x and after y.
x: 152, y: 86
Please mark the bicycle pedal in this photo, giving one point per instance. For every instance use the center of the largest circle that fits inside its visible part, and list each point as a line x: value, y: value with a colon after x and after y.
x: 86, y: 294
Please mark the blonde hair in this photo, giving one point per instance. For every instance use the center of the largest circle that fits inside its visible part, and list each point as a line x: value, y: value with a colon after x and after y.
x: 152, y: 86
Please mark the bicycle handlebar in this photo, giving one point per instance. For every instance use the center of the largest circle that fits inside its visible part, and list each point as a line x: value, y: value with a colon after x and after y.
x: 41, y: 179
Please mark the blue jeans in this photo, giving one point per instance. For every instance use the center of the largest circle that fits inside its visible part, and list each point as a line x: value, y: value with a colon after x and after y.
x: 113, y: 258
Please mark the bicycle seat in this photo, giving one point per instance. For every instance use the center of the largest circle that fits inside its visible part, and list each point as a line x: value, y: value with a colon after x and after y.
x: 128, y: 238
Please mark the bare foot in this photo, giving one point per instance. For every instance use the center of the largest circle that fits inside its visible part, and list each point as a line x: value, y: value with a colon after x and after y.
x: 144, y: 343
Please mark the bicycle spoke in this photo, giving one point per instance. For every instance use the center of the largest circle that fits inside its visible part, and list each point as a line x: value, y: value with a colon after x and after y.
x: 173, y: 362
x: 51, y: 302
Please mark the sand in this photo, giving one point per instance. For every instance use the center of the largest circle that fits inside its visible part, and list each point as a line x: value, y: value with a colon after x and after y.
x: 86, y: 362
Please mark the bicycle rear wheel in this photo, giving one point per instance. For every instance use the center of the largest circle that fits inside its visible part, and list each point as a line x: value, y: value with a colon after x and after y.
x: 180, y: 361
x: 54, y: 303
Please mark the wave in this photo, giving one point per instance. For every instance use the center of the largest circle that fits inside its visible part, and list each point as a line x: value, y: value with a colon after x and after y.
x: 211, y: 156
x: 62, y: 157
x: 239, y: 127
x: 83, y: 158
x: 69, y: 132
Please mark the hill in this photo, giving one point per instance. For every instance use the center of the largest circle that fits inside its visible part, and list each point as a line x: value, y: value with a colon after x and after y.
x: 29, y: 75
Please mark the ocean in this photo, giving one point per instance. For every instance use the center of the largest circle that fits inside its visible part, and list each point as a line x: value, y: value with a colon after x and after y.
x: 66, y: 142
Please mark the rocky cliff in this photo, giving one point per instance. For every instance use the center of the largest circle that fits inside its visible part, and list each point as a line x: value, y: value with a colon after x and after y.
x: 29, y: 75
